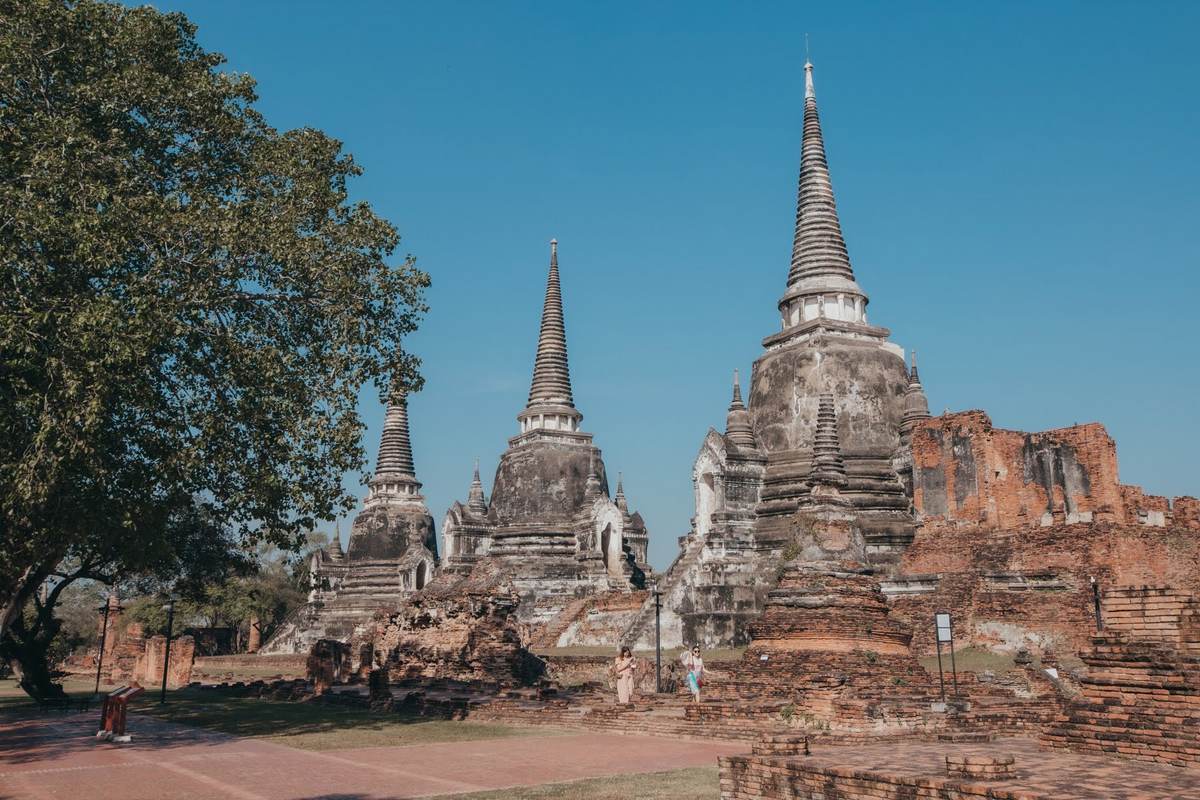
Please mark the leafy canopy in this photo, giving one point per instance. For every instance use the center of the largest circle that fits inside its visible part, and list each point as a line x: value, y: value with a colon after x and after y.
x: 190, y: 302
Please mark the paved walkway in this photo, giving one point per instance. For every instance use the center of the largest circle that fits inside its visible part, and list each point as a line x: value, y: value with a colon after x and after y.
x: 56, y: 757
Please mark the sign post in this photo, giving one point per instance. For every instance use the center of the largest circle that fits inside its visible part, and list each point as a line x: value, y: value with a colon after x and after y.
x: 657, y: 637
x: 945, y: 634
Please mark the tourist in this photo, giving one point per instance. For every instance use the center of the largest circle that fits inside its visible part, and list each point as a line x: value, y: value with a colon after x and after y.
x: 695, y: 670
x: 624, y: 668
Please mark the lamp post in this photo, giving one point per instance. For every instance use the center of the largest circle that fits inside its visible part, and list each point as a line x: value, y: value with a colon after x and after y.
x: 657, y: 636
x: 170, y: 609
x: 108, y: 604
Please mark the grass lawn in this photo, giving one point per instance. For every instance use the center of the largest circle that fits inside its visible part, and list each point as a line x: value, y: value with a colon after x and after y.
x: 316, y: 726
x: 970, y: 659
x: 14, y: 702
x: 696, y: 783
x: 668, y: 654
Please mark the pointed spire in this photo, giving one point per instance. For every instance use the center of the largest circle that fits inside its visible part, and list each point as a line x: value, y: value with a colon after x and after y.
x: 395, y: 477
x: 916, y: 404
x: 336, y: 553
x: 738, y: 429
x: 737, y: 392
x: 820, y: 262
x: 551, y: 406
x: 475, y: 499
x: 619, y: 499
x: 395, y: 447
x: 551, y: 374
x: 828, y: 467
x: 818, y: 247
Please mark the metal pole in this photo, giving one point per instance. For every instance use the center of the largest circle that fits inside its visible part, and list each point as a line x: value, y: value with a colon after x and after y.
x: 953, y: 666
x: 162, y: 697
x: 1096, y: 604
x: 103, y: 638
x: 657, y: 642
x: 941, y: 673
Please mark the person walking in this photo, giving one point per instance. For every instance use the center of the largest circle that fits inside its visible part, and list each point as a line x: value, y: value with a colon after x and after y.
x: 694, y: 665
x: 624, y: 669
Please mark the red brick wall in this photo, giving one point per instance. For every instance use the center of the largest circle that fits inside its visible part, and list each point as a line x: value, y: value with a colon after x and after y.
x: 967, y: 472
x: 980, y: 569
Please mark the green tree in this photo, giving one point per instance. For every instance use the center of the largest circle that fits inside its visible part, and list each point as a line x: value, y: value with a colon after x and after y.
x: 190, y: 303
x: 191, y: 555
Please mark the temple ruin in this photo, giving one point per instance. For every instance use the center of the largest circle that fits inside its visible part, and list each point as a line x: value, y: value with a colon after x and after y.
x: 751, y: 480
x: 550, y: 521
x: 923, y: 492
x: 392, y: 550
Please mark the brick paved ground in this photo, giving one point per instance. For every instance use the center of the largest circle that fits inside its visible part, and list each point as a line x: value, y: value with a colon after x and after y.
x: 55, y: 757
x: 1039, y: 772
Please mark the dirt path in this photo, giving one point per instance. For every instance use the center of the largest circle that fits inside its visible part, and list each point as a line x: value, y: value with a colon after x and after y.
x: 56, y: 757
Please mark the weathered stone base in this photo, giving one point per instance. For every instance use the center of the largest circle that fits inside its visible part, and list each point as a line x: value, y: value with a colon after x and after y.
x: 912, y: 770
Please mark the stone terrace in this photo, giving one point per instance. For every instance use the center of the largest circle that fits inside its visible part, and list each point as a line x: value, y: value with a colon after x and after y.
x: 1141, y: 696
x: 909, y: 769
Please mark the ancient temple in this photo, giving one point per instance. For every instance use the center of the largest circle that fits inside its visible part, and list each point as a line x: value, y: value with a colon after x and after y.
x: 751, y: 480
x: 550, y: 521
x: 392, y: 549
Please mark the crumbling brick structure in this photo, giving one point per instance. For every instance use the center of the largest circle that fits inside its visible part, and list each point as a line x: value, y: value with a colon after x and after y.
x: 1031, y: 588
x: 328, y: 664
x: 461, y: 627
x: 137, y: 658
x: 827, y: 654
x: 1141, y: 695
x: 968, y: 473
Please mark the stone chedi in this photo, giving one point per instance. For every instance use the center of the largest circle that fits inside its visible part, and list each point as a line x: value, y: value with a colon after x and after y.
x: 751, y: 481
x: 550, y: 521
x: 392, y: 550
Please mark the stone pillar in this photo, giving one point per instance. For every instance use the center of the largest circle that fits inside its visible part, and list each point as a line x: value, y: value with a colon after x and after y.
x: 255, y: 640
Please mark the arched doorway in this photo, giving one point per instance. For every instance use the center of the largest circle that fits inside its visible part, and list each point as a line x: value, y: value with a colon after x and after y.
x: 421, y: 576
x: 605, y: 541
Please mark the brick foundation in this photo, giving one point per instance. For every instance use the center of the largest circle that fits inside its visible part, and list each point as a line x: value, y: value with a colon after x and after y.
x: 1141, y: 696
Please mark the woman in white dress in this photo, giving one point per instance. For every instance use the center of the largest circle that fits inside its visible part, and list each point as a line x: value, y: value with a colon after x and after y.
x: 694, y: 665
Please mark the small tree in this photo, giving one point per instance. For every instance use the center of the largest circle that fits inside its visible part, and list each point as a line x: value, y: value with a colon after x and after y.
x: 190, y: 303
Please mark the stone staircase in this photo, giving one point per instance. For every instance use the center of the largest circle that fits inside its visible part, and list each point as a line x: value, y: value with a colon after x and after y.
x: 1141, y: 695
x: 368, y: 587
x: 1140, y: 699
x: 549, y: 635
x: 640, y: 632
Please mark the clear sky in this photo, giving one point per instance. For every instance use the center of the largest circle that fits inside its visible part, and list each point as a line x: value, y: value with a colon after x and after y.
x: 1017, y: 184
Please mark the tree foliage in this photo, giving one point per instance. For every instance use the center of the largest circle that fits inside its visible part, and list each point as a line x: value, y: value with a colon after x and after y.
x: 190, y: 302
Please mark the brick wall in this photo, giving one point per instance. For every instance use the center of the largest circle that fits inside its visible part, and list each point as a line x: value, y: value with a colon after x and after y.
x: 968, y: 472
x: 1030, y: 587
x: 139, y: 659
x: 1141, y: 695
x: 768, y: 778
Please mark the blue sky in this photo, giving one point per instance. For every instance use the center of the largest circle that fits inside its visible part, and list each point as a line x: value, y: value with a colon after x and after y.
x: 1017, y: 184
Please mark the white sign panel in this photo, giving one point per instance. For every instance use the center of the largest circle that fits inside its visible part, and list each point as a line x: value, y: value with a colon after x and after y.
x: 943, y: 627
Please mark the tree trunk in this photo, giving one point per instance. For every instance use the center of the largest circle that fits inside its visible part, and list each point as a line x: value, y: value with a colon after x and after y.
x: 29, y: 655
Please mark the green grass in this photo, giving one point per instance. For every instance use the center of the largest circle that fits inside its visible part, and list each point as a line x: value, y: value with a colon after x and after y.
x: 668, y: 654
x: 248, y: 668
x: 971, y: 659
x: 696, y: 783
x: 14, y: 702
x: 314, y: 725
